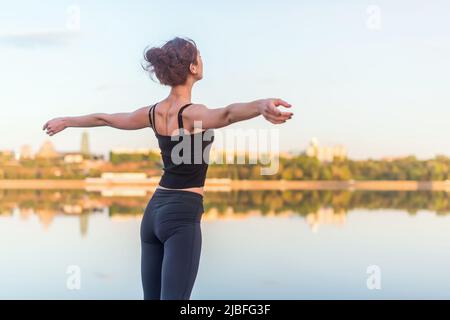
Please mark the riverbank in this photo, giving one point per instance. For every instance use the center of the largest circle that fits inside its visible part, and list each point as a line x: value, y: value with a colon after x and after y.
x: 94, y: 184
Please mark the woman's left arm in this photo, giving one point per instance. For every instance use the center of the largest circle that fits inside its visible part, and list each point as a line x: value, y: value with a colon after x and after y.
x: 137, y: 119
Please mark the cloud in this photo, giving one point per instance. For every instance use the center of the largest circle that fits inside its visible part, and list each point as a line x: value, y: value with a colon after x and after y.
x: 38, y: 38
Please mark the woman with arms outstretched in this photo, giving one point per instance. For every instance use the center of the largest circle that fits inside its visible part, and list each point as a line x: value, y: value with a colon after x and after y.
x: 170, y: 231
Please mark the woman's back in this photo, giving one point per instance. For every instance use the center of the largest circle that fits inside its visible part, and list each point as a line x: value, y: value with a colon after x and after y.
x: 185, y: 155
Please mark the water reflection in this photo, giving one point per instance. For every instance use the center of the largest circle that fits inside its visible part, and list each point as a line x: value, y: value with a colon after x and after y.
x: 257, y: 244
x: 317, y: 207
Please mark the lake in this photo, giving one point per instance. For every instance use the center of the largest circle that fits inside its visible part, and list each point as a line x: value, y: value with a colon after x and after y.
x: 255, y: 245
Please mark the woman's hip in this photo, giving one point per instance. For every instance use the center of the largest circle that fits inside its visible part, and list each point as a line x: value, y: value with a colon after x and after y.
x: 172, y: 212
x: 176, y: 203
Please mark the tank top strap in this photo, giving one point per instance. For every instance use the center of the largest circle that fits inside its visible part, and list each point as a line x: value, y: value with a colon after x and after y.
x: 151, y: 116
x: 180, y: 117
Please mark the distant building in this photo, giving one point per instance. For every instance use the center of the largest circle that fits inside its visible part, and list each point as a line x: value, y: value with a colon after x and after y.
x: 26, y: 152
x: 6, y: 155
x: 73, y: 158
x: 47, y: 150
x: 325, y: 153
x: 85, y: 144
x: 77, y: 157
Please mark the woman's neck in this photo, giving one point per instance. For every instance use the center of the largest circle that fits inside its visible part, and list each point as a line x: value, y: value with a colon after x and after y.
x: 180, y: 93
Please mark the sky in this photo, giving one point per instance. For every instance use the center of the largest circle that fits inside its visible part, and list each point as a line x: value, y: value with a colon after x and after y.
x: 370, y: 75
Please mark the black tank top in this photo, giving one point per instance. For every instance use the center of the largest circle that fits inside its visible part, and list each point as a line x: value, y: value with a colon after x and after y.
x: 185, y: 156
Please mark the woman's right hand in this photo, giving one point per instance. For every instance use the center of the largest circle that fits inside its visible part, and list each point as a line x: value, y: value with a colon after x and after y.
x: 55, y: 125
x: 268, y: 109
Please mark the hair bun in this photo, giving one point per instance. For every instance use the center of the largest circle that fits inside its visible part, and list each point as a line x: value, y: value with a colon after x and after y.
x: 171, y: 62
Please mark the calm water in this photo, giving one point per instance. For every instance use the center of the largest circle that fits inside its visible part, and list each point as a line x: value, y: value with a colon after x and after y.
x: 256, y: 245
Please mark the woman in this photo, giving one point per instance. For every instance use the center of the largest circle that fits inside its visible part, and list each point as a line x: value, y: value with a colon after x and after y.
x: 170, y: 228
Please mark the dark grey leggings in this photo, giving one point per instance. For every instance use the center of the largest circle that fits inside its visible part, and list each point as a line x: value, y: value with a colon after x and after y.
x: 171, y: 242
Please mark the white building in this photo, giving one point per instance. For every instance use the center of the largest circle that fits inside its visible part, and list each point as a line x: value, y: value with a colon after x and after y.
x: 73, y: 158
x: 26, y: 152
x: 47, y: 150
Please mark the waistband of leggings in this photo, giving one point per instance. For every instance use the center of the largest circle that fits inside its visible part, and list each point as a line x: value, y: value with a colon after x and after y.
x: 190, y: 194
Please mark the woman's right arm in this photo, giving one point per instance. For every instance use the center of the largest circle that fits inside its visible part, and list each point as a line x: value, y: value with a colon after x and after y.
x: 221, y: 117
x: 134, y: 120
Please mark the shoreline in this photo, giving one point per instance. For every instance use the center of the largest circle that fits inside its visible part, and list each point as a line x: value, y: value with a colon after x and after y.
x: 98, y: 184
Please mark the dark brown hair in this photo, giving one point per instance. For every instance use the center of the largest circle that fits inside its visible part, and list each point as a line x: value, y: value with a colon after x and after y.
x: 171, y: 62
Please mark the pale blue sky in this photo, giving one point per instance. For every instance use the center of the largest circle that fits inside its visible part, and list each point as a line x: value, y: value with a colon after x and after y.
x: 380, y: 92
